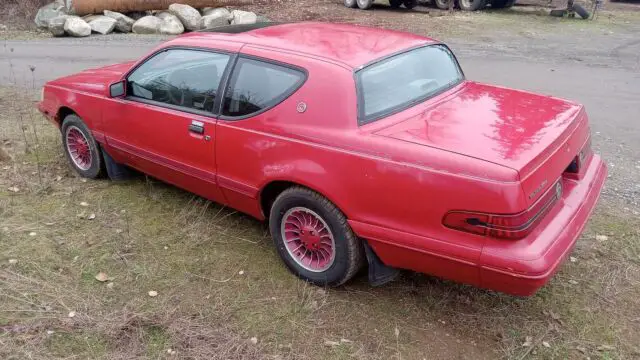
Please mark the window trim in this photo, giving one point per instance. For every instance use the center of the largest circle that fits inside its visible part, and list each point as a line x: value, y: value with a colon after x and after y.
x: 275, y: 102
x: 364, y: 120
x: 217, y: 101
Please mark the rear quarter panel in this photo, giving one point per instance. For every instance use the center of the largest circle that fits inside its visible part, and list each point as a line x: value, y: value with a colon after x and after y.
x: 393, y: 203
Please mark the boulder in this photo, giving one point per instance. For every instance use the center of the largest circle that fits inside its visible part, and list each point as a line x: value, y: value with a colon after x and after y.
x: 56, y: 25
x: 262, y: 19
x: 77, y: 27
x: 89, y: 18
x: 189, y: 16
x: 171, y: 25
x: 218, y: 11
x: 243, y: 17
x: 123, y: 22
x: 103, y: 24
x: 147, y: 25
x: 49, y: 12
x: 213, y: 20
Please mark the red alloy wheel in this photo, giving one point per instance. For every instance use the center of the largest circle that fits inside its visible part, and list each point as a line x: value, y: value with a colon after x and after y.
x: 78, y: 148
x: 308, y: 239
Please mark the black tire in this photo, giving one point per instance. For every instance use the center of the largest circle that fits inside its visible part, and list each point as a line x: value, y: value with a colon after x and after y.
x: 348, y: 250
x: 395, y: 3
x: 442, y: 4
x: 472, y: 5
x: 502, y: 4
x: 95, y: 166
x: 364, y: 4
x: 410, y: 4
x: 351, y: 4
x: 578, y: 9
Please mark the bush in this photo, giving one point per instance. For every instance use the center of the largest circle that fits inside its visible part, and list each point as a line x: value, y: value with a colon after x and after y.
x: 20, y: 13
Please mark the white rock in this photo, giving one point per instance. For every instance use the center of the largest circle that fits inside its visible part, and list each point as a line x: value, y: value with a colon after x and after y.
x: 243, y: 17
x: 102, y: 24
x: 77, y: 27
x: 49, y: 12
x: 123, y: 22
x: 56, y: 25
x: 147, y: 25
x: 171, y: 25
x: 189, y: 16
x: 213, y: 20
x: 217, y: 11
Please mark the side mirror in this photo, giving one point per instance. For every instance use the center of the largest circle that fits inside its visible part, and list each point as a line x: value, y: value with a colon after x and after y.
x: 117, y: 89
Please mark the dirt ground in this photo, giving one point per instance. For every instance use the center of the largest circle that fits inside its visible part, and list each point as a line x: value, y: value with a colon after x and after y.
x: 222, y: 291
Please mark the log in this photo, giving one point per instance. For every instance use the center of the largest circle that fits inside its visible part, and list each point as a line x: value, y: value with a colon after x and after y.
x: 86, y: 7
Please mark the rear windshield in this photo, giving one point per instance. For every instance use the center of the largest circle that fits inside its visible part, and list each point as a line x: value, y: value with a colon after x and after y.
x: 403, y: 80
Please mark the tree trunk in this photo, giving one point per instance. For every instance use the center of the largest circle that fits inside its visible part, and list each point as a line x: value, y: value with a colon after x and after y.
x: 85, y: 7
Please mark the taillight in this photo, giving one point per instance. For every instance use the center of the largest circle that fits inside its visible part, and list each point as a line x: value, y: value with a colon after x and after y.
x: 513, y: 226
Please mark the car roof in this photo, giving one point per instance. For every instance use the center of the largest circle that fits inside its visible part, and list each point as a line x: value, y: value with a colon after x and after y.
x: 351, y: 45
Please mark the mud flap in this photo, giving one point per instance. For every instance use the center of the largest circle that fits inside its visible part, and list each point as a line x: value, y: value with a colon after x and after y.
x: 379, y: 273
x: 116, y: 172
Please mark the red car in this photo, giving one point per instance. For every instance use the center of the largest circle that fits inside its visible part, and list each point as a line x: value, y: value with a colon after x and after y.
x: 356, y: 144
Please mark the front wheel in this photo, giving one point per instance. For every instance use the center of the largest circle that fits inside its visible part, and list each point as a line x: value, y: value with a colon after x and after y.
x: 364, y: 4
x: 313, y: 238
x: 351, y: 4
x: 442, y: 4
x: 80, y: 147
x: 472, y: 5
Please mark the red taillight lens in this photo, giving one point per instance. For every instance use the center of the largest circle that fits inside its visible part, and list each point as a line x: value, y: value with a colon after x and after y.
x: 516, y: 226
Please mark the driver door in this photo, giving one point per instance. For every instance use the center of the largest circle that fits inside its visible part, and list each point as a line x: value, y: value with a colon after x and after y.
x: 165, y: 126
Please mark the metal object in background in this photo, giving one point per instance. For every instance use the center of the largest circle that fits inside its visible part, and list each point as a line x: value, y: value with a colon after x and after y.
x: 85, y: 7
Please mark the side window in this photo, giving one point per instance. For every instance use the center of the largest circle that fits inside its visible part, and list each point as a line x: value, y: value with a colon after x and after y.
x: 187, y: 78
x: 257, y: 85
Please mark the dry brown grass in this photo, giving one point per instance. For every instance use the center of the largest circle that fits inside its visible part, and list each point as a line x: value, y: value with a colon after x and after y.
x: 20, y: 13
x: 150, y: 236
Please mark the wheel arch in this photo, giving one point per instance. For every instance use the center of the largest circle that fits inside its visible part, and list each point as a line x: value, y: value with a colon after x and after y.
x: 62, y: 113
x: 272, y: 189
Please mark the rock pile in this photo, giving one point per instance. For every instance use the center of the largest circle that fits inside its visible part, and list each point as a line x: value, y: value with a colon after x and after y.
x: 173, y: 21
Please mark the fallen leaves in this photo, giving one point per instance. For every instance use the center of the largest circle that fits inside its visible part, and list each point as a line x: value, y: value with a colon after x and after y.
x: 602, y: 237
x: 153, y: 293
x: 102, y: 277
x: 14, y: 189
x: 254, y: 340
x: 546, y: 344
x: 13, y: 261
x: 527, y: 341
x: 71, y: 314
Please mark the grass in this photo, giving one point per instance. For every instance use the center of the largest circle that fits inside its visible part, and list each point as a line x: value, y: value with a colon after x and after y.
x: 224, y: 294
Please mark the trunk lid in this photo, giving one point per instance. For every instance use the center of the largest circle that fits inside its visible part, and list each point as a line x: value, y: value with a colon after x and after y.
x: 536, y: 135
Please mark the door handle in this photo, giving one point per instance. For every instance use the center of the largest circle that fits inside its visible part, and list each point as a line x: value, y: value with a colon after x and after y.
x: 196, y: 127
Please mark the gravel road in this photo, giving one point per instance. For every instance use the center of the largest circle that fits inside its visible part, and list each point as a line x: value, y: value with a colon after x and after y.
x: 601, y: 69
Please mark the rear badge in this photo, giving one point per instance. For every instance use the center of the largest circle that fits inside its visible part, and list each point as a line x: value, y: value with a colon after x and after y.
x: 302, y: 107
x: 537, y: 190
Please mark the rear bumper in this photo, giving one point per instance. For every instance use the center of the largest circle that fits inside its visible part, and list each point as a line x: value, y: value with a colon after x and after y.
x: 522, y: 267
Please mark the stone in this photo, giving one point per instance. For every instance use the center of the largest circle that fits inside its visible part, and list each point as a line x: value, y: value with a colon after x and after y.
x: 243, y: 17
x: 189, y: 16
x: 217, y: 11
x: 171, y: 25
x: 77, y: 27
x: 147, y: 25
x: 123, y: 22
x: 90, y: 18
x: 49, y: 12
x: 103, y: 24
x: 56, y: 25
x: 213, y: 20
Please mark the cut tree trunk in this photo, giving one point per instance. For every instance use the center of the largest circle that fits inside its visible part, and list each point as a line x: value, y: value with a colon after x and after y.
x: 85, y: 7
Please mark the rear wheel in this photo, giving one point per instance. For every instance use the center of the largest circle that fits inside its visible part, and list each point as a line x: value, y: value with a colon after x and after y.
x: 472, y: 5
x: 365, y: 4
x: 442, y: 4
x: 80, y: 147
x: 581, y: 11
x: 313, y: 238
x: 350, y: 3
x: 395, y: 3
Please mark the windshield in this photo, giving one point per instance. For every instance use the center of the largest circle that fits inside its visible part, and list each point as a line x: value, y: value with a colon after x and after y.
x: 403, y: 80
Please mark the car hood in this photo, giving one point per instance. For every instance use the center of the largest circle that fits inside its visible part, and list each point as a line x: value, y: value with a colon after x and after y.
x: 94, y: 80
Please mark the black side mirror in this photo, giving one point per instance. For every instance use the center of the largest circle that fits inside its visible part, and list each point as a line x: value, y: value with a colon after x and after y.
x: 117, y: 89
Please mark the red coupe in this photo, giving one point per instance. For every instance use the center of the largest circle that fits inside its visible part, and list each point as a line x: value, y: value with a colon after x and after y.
x: 359, y: 145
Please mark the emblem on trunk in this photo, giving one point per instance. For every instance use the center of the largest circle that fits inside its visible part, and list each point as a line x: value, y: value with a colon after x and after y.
x: 538, y: 189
